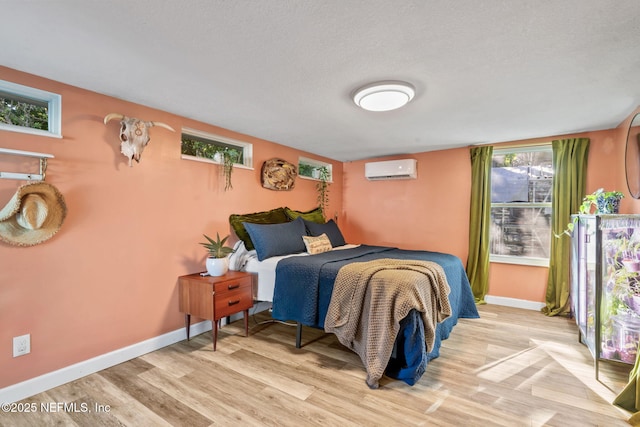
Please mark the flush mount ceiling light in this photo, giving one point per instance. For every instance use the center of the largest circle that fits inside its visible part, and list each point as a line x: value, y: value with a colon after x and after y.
x: 384, y: 96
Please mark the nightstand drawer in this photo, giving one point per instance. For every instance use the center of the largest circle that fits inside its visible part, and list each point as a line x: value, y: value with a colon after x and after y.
x: 233, y: 285
x: 234, y: 300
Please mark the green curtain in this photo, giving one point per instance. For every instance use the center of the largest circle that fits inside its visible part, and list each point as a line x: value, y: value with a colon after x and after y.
x: 569, y: 182
x: 629, y: 397
x: 478, y: 262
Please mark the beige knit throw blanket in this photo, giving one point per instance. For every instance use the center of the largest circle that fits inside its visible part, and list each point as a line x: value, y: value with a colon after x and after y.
x: 371, y: 298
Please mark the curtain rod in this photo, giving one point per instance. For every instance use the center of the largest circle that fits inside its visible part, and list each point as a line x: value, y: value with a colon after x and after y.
x: 508, y: 145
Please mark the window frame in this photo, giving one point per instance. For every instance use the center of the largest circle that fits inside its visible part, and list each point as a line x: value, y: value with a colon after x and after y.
x: 517, y: 259
x: 315, y: 164
x: 54, y: 108
x: 245, y: 147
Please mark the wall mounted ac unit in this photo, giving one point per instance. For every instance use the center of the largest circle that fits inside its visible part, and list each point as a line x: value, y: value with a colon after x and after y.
x: 391, y: 169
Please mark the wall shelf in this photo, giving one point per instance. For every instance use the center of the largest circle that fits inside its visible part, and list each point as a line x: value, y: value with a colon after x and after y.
x: 26, y: 176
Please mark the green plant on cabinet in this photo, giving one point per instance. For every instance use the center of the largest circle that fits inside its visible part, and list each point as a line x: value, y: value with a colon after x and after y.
x: 601, y: 202
x: 598, y: 202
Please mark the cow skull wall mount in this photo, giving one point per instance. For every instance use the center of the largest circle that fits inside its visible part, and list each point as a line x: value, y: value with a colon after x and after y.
x: 134, y: 134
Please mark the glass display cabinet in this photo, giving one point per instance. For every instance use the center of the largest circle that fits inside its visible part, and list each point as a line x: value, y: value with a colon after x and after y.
x: 583, y: 278
x: 605, y: 285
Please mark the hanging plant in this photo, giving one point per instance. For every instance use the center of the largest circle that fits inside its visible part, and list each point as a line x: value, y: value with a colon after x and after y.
x: 322, y: 187
x: 227, y: 165
x: 228, y: 157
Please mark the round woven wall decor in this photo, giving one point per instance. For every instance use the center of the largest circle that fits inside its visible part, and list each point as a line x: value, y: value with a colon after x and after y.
x: 278, y: 174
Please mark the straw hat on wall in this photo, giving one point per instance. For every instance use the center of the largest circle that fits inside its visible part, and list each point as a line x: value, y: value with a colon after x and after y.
x: 33, y: 215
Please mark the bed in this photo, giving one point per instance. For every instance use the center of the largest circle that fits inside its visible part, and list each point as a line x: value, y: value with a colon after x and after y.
x: 298, y: 275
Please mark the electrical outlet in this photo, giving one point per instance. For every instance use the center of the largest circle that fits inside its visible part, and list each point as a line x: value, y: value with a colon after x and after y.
x: 21, y: 345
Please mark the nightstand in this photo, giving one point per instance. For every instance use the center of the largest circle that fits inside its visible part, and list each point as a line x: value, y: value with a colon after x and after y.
x: 213, y: 298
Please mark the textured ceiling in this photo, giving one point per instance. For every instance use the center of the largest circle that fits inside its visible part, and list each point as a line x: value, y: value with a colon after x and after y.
x: 485, y: 71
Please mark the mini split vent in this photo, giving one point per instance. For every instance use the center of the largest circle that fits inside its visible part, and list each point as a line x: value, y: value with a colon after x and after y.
x: 391, y: 169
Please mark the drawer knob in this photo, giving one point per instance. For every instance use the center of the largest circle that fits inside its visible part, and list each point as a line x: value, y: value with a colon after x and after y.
x: 234, y: 302
x: 236, y: 286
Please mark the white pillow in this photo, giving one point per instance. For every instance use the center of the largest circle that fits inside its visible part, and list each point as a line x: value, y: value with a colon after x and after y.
x: 318, y: 244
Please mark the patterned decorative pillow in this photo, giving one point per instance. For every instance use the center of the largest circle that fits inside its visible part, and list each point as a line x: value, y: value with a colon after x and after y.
x: 274, y: 216
x: 277, y: 239
x: 314, y: 215
x: 317, y: 244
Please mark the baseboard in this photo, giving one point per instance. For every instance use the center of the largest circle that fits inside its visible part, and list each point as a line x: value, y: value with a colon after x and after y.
x: 53, y: 379
x: 513, y: 302
x: 28, y: 388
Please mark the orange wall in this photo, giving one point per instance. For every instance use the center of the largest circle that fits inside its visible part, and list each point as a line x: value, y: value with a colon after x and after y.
x: 108, y: 279
x: 432, y: 212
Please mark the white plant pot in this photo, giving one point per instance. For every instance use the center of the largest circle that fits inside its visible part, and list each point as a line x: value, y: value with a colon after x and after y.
x: 217, y: 266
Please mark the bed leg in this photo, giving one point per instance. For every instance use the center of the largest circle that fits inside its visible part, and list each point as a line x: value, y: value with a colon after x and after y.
x: 299, y: 335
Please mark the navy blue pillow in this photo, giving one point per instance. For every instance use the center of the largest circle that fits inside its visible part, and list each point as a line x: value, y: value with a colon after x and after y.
x: 277, y: 239
x: 330, y: 228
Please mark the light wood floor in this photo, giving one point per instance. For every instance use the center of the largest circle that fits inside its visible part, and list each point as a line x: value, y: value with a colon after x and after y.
x: 511, y: 367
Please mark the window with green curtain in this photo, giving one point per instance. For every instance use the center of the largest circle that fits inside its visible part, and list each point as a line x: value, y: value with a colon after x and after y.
x: 569, y: 159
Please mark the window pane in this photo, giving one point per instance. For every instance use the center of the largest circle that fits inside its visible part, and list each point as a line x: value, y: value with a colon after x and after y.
x: 22, y: 112
x: 314, y: 168
x: 522, y: 177
x: 200, y: 147
x: 521, y: 190
x: 305, y: 170
x: 521, y: 231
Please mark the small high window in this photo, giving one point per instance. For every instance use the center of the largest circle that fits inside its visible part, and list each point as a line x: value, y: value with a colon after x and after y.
x: 28, y: 110
x: 202, y: 146
x: 313, y: 169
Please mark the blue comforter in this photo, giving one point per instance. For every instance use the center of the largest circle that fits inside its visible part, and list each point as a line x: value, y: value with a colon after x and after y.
x: 304, y: 285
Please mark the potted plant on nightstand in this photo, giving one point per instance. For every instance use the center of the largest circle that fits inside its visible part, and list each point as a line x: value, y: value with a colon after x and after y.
x: 217, y: 262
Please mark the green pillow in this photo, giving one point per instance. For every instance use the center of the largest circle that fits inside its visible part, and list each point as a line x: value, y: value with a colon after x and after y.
x: 314, y: 215
x: 274, y: 216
